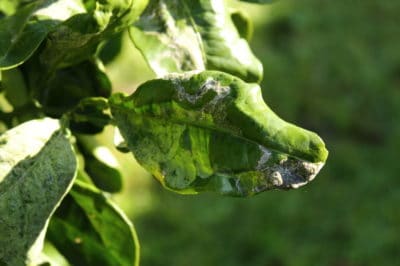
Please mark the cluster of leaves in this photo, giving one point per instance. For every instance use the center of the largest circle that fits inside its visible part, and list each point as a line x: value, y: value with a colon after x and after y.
x: 201, y: 126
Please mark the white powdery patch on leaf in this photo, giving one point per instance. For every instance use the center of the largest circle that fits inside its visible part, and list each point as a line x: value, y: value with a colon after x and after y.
x: 298, y: 173
x: 265, y: 155
x: 209, y: 85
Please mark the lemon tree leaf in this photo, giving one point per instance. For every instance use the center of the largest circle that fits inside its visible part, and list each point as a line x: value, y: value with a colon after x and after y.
x: 212, y: 131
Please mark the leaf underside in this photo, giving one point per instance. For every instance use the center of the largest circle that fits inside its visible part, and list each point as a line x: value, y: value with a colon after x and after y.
x: 213, y: 132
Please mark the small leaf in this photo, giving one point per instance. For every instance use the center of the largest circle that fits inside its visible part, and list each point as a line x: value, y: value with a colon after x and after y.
x: 111, y: 49
x: 243, y: 24
x: 90, y: 116
x: 212, y: 131
x: 37, y: 167
x: 179, y: 36
x: 88, y: 229
x: 16, y: 91
x: 22, y: 33
x: 100, y: 164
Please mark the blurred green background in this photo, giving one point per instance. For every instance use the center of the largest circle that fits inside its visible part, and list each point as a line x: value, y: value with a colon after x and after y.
x: 332, y: 67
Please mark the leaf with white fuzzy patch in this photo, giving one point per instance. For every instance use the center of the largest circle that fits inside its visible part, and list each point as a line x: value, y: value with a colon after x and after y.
x: 212, y: 131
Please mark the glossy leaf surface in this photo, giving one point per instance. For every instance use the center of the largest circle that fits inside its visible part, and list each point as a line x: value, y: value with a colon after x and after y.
x: 179, y: 36
x: 88, y: 229
x: 22, y: 33
x: 212, y: 131
x: 65, y: 70
x: 77, y: 39
x: 37, y: 167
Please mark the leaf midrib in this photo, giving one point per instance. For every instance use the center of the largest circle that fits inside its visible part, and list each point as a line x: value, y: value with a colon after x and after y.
x: 218, y: 129
x: 198, y: 34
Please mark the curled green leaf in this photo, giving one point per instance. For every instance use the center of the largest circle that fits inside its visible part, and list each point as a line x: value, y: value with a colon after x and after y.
x: 179, y: 36
x: 212, y: 131
x: 37, y: 168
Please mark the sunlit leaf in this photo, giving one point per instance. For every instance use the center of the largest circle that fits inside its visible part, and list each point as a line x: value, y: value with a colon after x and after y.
x: 64, y: 70
x: 78, y: 38
x: 37, y: 167
x: 88, y: 229
x: 8, y: 7
x: 22, y: 33
x: 52, y: 256
x: 111, y: 49
x: 212, y: 131
x: 178, y: 36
